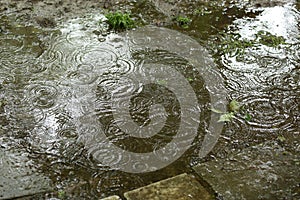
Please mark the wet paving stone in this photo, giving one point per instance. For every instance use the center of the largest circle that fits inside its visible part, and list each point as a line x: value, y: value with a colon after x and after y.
x: 265, y: 171
x: 18, y: 178
x: 183, y: 187
x: 115, y: 197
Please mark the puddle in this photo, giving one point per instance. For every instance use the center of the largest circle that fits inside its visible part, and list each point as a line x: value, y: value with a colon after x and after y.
x: 77, y: 100
x: 133, y: 102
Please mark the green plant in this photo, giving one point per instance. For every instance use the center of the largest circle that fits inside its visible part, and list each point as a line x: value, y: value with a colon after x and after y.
x: 226, y: 117
x: 247, y: 117
x: 234, y: 108
x: 61, y: 194
x: 190, y: 79
x: 184, y: 22
x: 119, y: 21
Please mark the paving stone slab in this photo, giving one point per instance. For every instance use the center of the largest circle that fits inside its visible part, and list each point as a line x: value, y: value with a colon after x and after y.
x: 265, y: 171
x: 181, y: 187
x: 115, y: 197
x: 18, y: 177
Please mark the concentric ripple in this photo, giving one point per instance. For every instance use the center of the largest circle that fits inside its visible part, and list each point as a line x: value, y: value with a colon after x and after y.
x: 98, y: 56
x: 84, y: 75
x: 164, y: 120
x: 6, y: 78
x: 134, y: 97
x: 36, y: 67
x: 42, y: 95
x: 121, y: 66
x: 271, y: 112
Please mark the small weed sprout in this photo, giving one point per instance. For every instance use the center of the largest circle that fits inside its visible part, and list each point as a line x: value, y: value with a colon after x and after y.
x: 234, y: 109
x: 119, y: 21
x: 183, y: 22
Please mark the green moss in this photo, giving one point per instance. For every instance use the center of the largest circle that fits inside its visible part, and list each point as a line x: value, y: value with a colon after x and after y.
x: 234, y: 44
x: 268, y: 39
x: 119, y: 21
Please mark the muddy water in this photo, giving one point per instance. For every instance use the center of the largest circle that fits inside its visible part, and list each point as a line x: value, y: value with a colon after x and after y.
x: 76, y: 106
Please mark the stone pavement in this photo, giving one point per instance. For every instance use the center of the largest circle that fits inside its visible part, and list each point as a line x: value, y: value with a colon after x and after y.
x: 181, y: 187
x: 264, y: 171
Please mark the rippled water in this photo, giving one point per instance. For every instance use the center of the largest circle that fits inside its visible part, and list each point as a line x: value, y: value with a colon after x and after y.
x: 131, y: 102
x: 266, y: 81
x: 67, y: 104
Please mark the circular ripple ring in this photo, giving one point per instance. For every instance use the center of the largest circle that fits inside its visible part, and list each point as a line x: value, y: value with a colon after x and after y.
x: 154, y: 38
